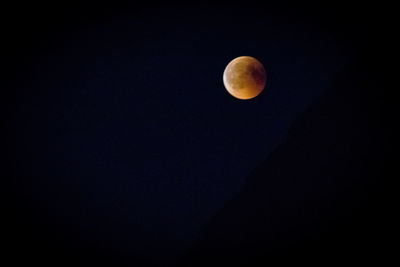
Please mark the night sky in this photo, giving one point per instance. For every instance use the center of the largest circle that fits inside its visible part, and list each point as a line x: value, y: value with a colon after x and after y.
x: 124, y: 147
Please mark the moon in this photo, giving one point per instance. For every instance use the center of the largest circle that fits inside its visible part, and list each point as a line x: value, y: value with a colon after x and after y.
x: 244, y: 77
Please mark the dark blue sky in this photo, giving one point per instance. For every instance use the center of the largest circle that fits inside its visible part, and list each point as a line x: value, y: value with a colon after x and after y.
x: 125, y: 137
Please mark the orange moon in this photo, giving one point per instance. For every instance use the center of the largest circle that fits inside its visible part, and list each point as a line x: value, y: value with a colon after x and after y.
x: 245, y: 77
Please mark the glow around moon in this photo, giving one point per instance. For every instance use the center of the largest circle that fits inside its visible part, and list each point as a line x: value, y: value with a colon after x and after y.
x: 244, y: 77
